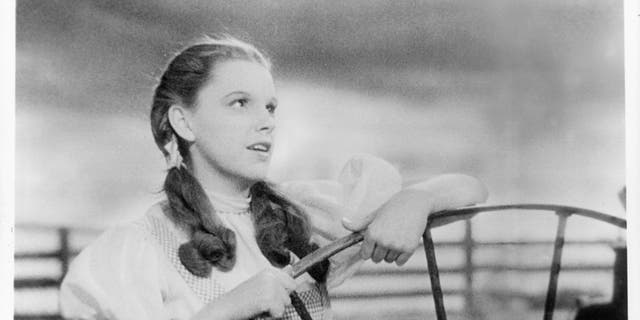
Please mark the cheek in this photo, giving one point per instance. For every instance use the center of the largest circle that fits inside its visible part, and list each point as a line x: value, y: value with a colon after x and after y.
x: 223, y: 139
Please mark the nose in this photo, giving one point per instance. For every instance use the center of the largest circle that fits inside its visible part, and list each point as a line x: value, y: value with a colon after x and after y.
x: 266, y: 122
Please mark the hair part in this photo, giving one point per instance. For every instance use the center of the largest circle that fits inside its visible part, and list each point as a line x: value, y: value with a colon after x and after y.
x: 280, y: 226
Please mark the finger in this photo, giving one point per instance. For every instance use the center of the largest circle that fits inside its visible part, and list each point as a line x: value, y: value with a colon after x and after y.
x: 281, y: 297
x: 403, y: 258
x: 378, y: 254
x: 391, y: 256
x: 280, y: 301
x: 276, y: 310
x: 367, y: 248
x: 286, y: 298
x: 288, y: 270
x: 287, y: 282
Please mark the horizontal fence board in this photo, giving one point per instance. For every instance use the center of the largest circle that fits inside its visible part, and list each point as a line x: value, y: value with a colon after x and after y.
x: 44, y: 255
x: 37, y: 317
x: 393, y: 307
x: 392, y: 294
x: 542, y: 243
x: 36, y: 283
x: 496, y: 268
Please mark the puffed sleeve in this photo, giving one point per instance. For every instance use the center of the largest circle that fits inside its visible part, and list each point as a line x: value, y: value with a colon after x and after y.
x: 115, y: 277
x: 364, y: 184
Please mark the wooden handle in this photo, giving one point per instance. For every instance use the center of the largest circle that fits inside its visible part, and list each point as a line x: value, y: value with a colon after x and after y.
x: 324, y: 253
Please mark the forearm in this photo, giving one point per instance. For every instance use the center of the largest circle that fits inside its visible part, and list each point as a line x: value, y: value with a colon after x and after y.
x: 222, y: 308
x: 395, y: 231
x: 447, y: 191
x: 267, y: 292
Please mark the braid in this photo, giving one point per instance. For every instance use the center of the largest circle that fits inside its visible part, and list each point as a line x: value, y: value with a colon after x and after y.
x: 281, y: 227
x: 211, y: 243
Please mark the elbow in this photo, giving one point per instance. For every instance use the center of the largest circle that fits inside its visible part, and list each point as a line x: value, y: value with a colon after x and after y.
x: 473, y: 188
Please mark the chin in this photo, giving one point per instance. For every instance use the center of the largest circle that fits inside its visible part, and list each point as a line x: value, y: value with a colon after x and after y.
x: 256, y: 177
x: 255, y: 174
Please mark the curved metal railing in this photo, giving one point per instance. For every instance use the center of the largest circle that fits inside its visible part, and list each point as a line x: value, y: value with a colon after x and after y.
x: 445, y: 217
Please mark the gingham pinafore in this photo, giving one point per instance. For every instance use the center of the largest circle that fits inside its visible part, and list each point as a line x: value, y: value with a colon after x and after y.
x: 208, y: 289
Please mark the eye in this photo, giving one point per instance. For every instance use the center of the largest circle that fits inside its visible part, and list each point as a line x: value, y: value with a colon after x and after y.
x: 239, y: 103
x: 271, y: 107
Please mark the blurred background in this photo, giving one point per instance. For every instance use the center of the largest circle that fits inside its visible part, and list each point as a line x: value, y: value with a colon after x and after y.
x: 528, y: 96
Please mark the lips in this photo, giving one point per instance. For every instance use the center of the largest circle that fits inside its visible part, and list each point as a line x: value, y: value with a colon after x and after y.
x: 260, y: 147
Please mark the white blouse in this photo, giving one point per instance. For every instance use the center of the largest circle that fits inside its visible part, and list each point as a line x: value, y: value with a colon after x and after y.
x: 132, y: 272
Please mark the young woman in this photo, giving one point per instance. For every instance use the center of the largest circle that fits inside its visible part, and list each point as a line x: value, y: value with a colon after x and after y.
x: 220, y: 245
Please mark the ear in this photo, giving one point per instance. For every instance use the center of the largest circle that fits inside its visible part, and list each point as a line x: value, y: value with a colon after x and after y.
x: 179, y: 120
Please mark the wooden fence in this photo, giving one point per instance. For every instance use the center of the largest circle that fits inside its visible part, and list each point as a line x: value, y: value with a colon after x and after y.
x: 361, y: 290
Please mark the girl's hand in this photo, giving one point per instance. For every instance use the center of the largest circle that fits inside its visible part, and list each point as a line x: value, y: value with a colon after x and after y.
x: 266, y: 292
x: 393, y: 231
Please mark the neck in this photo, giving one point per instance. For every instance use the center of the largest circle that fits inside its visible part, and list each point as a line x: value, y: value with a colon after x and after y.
x: 218, y: 181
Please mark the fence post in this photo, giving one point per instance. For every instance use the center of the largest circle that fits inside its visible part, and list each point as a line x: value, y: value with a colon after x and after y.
x: 468, y: 246
x: 63, y: 234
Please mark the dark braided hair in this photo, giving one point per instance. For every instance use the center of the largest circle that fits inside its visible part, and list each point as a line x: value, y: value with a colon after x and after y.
x: 280, y: 226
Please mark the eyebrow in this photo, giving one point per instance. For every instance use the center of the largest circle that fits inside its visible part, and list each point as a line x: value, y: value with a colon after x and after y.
x: 236, y: 92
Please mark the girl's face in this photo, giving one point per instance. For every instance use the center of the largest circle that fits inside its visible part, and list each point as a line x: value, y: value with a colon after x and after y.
x: 233, y: 121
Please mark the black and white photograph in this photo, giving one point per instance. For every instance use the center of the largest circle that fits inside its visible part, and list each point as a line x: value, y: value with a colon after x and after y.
x: 282, y: 159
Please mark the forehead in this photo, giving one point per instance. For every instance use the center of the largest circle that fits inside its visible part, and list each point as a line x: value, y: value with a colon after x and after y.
x: 240, y: 75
